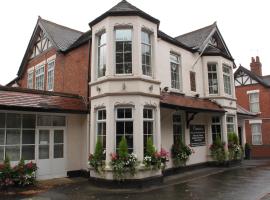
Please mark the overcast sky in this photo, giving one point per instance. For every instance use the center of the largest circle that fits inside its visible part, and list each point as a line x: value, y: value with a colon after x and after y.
x: 244, y: 24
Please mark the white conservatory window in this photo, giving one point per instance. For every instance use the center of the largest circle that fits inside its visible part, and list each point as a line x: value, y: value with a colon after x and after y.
x: 146, y: 53
x: 148, y: 125
x: 101, y: 127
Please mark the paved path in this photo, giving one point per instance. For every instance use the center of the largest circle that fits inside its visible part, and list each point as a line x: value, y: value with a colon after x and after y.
x: 250, y: 181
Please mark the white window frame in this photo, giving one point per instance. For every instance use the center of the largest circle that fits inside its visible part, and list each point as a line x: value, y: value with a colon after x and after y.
x: 40, y: 77
x: 150, y: 121
x: 124, y: 120
x: 30, y: 79
x: 228, y: 123
x: 147, y: 68
x: 176, y: 84
x: 257, y: 134
x: 181, y: 127
x: 227, y: 73
x: 50, y: 75
x: 101, y: 46
x: 211, y: 72
x: 254, y: 101
x: 214, y: 124
x: 101, y: 121
x: 131, y: 41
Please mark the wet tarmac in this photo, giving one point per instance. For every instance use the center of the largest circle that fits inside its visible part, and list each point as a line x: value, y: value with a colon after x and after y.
x: 244, y: 183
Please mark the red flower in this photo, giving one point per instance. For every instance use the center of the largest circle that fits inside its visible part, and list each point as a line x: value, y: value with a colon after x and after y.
x: 164, y: 153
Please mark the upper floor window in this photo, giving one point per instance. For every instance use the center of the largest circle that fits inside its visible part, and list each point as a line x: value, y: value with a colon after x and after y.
x: 230, y: 124
x: 192, y: 76
x: 124, y: 126
x: 101, y: 55
x: 227, y: 79
x: 212, y: 78
x: 50, y: 75
x: 178, y: 135
x: 123, y: 46
x: 175, y: 71
x: 254, y: 102
x: 256, y: 134
x: 30, y: 79
x: 148, y: 125
x: 146, y: 53
x: 216, y: 128
x: 40, y: 78
x: 101, y: 127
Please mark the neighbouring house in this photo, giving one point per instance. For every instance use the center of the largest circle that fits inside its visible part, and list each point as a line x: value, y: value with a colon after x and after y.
x: 123, y: 77
x: 253, y: 94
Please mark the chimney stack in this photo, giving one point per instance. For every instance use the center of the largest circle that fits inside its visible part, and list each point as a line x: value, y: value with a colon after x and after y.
x: 256, y: 66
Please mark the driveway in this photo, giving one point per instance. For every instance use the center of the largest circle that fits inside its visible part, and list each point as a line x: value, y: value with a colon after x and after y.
x: 251, y: 181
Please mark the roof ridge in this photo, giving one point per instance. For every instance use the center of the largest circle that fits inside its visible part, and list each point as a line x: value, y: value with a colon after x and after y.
x: 196, y: 30
x: 62, y: 26
x: 42, y: 92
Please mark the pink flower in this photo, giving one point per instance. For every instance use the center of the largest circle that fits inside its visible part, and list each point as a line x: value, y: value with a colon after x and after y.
x: 164, y: 153
x: 114, y: 156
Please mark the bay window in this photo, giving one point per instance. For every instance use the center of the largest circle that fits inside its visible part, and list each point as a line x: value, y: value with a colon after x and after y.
x: 227, y: 79
x: 50, y: 75
x: 124, y: 127
x: 146, y: 53
x: 101, y: 55
x: 230, y: 124
x: 178, y: 135
x: 212, y: 78
x: 101, y: 127
x: 40, y: 77
x: 148, y: 125
x: 123, y: 51
x: 175, y: 71
x: 216, y: 128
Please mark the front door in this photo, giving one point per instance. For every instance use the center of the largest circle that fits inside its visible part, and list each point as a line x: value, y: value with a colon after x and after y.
x: 50, y: 153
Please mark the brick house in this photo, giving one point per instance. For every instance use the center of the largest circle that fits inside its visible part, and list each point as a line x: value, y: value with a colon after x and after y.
x: 253, y: 94
x: 124, y: 77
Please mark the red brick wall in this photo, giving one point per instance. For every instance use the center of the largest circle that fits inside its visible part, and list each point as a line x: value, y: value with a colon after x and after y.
x: 71, y: 70
x: 243, y: 100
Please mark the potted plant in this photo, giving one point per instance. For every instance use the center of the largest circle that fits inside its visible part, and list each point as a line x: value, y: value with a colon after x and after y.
x: 97, y: 160
x: 218, y: 152
x: 180, y: 153
x: 235, y: 150
x: 247, y: 151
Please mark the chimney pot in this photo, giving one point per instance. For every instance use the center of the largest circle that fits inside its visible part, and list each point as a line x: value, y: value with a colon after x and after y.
x: 256, y: 66
x: 257, y: 59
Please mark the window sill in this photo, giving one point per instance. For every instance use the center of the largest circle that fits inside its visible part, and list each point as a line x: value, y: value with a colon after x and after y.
x: 176, y: 91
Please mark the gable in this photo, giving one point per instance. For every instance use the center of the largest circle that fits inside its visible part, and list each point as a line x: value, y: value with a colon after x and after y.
x: 41, y: 43
x: 241, y: 79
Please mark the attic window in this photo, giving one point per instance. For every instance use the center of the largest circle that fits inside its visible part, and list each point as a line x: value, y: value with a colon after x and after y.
x: 42, y: 44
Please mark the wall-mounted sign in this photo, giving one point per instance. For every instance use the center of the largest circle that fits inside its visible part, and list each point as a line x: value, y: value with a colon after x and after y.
x: 197, y: 135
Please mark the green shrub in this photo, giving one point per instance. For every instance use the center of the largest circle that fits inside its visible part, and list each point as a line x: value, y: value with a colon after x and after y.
x: 218, y: 152
x: 96, y: 160
x: 123, y: 148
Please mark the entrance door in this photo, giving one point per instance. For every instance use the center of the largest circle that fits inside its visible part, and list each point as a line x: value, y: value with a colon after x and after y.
x: 50, y: 153
x: 240, y: 135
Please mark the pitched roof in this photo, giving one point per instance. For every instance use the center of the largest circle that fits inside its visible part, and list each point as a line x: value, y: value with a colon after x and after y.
x: 264, y: 80
x: 211, y: 50
x: 81, y: 40
x: 124, y: 8
x: 195, y: 39
x: 40, y: 101
x: 189, y: 103
x: 242, y: 111
x: 62, y: 36
x: 172, y: 40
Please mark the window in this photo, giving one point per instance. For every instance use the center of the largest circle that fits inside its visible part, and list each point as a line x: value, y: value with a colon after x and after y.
x: 227, y: 79
x: 256, y: 134
x: 17, y: 136
x: 40, y: 78
x: 212, y: 79
x: 175, y: 62
x: 123, y: 46
x: 124, y: 127
x: 177, y: 128
x: 30, y: 78
x: 101, y: 55
x: 146, y: 53
x: 192, y: 76
x: 50, y: 75
x: 101, y: 127
x: 148, y: 125
x: 254, y: 102
x: 230, y: 124
x: 51, y: 120
x: 216, y: 128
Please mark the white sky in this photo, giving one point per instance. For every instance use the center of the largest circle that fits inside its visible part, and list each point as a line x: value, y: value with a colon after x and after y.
x: 244, y: 24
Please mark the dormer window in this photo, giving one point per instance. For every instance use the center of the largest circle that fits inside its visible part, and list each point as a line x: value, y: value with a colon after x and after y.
x: 146, y: 53
x: 123, y: 51
x: 101, y: 55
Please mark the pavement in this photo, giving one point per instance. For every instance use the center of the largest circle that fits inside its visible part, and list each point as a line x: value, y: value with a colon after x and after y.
x: 248, y: 181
